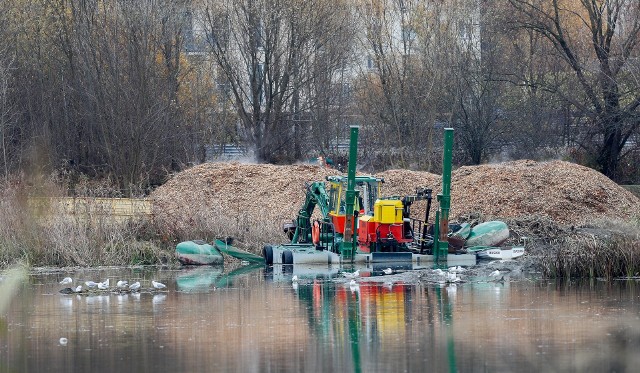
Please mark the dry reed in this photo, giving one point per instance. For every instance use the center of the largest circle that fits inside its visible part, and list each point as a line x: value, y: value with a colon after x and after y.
x: 605, y: 250
x: 45, y: 235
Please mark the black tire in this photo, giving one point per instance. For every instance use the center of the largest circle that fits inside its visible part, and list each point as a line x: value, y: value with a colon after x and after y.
x: 287, y: 257
x: 267, y: 253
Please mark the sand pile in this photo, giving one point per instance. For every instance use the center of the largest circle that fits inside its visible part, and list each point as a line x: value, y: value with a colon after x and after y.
x: 247, y: 199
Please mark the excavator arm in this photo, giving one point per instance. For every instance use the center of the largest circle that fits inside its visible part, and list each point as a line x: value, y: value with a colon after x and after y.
x: 316, y: 195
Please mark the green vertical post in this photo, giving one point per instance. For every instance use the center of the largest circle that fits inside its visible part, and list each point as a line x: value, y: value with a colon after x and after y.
x: 348, y: 245
x: 442, y: 227
x: 436, y: 235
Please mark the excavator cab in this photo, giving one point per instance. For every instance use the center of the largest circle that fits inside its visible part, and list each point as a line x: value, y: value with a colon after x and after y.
x: 367, y: 192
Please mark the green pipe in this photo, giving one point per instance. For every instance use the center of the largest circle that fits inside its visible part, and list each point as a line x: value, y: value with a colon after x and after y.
x: 348, y: 245
x: 444, y: 198
x: 436, y: 234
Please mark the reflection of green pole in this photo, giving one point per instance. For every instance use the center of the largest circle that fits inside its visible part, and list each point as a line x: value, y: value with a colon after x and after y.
x: 447, y: 319
x: 325, y: 326
x: 442, y: 216
x: 354, y: 333
x: 348, y: 244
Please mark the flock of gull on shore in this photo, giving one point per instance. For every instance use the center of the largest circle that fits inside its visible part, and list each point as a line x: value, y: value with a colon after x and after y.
x: 122, y: 286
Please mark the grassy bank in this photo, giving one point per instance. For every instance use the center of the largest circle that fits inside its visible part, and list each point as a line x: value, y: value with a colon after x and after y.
x: 605, y: 249
x: 607, y: 256
x: 47, y: 235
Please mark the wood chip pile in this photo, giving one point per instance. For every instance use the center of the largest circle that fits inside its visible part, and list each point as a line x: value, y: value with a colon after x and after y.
x: 248, y: 199
x: 564, y: 192
x: 233, y: 199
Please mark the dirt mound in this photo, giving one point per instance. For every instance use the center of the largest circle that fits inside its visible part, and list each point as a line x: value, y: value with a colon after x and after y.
x: 247, y: 200
x: 240, y: 200
x: 405, y: 182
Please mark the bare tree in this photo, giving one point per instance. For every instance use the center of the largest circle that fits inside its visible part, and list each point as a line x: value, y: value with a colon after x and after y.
x: 479, y: 92
x: 598, y: 41
x: 477, y: 112
x: 121, y: 111
x: 538, y: 120
x: 269, y: 54
x: 396, y: 86
x: 28, y: 106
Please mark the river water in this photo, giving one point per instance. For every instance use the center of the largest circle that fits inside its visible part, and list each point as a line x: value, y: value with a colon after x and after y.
x: 254, y: 319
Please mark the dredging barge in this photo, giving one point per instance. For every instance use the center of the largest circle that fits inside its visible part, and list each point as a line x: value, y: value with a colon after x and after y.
x: 355, y: 224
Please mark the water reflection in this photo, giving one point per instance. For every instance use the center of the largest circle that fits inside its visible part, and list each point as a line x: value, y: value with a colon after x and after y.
x: 198, y: 279
x: 254, y: 319
x: 378, y: 319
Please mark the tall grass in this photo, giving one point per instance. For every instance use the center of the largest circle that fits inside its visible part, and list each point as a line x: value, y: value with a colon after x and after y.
x: 45, y: 235
x: 607, y: 250
x: 214, y: 222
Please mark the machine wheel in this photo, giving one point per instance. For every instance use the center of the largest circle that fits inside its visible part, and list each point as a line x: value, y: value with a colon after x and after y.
x: 267, y: 253
x: 287, y: 257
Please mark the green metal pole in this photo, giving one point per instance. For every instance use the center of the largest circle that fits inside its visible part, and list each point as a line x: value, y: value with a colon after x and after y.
x: 348, y: 245
x: 444, y: 198
x: 436, y: 234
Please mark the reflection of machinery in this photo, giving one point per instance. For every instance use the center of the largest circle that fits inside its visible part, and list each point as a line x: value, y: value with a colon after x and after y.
x: 198, y: 279
x: 372, y: 319
x: 204, y: 279
x: 358, y: 323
